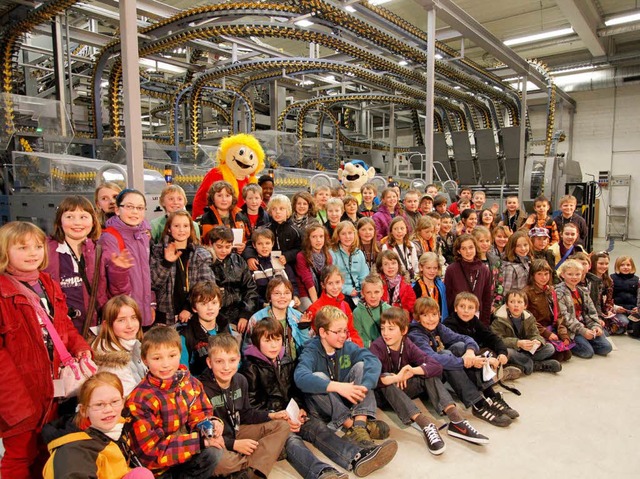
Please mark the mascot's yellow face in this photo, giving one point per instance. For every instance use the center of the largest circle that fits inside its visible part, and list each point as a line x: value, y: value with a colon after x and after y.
x: 241, y: 160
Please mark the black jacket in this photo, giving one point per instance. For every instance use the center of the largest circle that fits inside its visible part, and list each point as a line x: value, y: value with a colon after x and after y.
x: 239, y: 410
x: 288, y: 241
x: 270, y: 386
x: 478, y: 331
x: 240, y: 295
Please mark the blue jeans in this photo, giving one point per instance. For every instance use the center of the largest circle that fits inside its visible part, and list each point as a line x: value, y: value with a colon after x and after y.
x: 525, y: 360
x: 200, y: 466
x: 585, y: 348
x: 339, y: 450
x: 334, y: 409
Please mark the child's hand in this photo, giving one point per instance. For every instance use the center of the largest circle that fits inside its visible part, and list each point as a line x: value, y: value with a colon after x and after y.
x: 85, y: 354
x: 494, y: 362
x: 502, y: 359
x: 553, y: 337
x: 588, y: 334
x: 242, y: 325
x: 305, y: 318
x: 123, y: 260
x: 172, y: 253
x: 240, y: 247
x: 536, y: 343
x: 597, y: 332
x: 245, y: 446
x: 531, y: 220
x: 184, y: 316
x: 282, y: 259
x: 252, y: 263
x: 478, y: 362
x: 217, y: 442
x: 352, y: 392
x: 218, y: 428
x: 525, y: 344
x: 601, y: 323
x: 296, y: 301
x: 279, y: 415
x: 354, y: 292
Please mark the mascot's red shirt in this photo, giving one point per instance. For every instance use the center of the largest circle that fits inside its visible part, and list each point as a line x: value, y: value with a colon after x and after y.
x: 200, y: 200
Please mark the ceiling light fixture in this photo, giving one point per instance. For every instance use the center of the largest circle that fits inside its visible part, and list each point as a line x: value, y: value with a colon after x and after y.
x: 378, y: 2
x: 403, y: 63
x: 304, y: 23
x: 350, y: 9
x: 572, y: 70
x: 630, y: 17
x: 563, y: 32
x: 438, y: 56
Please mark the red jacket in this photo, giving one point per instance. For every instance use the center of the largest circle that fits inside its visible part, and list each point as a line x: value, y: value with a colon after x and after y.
x: 340, y: 303
x: 26, y: 395
x: 407, y: 295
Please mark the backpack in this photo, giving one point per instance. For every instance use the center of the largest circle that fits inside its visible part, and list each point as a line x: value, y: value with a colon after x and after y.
x: 115, y: 233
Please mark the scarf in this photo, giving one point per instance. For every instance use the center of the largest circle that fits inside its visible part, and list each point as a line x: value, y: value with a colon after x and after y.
x: 30, y: 277
x: 394, y: 284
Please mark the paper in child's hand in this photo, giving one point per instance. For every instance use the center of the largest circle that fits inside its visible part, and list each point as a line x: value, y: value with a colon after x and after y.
x: 293, y: 410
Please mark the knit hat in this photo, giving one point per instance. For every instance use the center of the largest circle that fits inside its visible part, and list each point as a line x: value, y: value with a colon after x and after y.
x: 538, y: 232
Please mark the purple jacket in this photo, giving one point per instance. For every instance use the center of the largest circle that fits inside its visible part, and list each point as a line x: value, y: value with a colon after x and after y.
x: 473, y: 277
x: 382, y: 218
x: 411, y: 354
x: 118, y: 284
x: 136, y: 240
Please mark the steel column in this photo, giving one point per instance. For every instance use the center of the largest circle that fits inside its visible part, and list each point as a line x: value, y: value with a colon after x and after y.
x: 431, y: 72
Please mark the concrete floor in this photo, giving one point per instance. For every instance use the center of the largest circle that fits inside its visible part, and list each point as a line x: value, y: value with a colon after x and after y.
x: 579, y: 423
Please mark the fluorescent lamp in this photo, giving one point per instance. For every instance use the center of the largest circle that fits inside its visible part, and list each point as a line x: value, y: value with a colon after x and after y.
x: 631, y: 17
x: 304, y: 23
x: 572, y: 70
x: 530, y: 86
x: 563, y: 32
x: 403, y: 63
x: 350, y: 9
x: 378, y: 2
x: 330, y: 79
x: 438, y: 56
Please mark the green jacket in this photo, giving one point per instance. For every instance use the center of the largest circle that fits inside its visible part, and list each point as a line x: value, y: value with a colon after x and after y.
x: 503, y: 327
x: 367, y: 321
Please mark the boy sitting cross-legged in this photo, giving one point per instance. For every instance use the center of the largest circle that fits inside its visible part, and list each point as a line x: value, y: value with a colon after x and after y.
x: 166, y: 408
x: 338, y: 376
x: 253, y: 439
x: 408, y: 373
x: 457, y: 354
x: 269, y: 372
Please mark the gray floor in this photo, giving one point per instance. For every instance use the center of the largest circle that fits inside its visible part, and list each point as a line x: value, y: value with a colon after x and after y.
x: 580, y: 423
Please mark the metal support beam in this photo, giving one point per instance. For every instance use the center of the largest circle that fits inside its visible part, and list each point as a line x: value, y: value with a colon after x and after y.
x: 585, y: 22
x: 431, y: 72
x: 458, y: 19
x: 131, y: 89
x: 59, y: 70
x: 523, y: 136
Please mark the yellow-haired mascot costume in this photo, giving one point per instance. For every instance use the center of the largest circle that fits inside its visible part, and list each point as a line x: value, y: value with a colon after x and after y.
x: 239, y: 157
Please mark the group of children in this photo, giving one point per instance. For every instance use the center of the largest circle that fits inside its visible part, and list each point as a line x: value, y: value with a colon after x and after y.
x: 286, y: 321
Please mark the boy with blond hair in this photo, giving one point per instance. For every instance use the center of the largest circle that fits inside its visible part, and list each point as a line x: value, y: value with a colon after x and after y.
x: 568, y: 214
x: 369, y: 193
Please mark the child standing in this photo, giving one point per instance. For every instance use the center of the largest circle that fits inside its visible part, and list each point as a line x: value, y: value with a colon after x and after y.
x: 172, y: 199
x: 397, y: 291
x: 222, y: 210
x: 96, y: 445
x: 568, y: 214
x: 252, y: 438
x: 411, y: 208
x: 104, y: 198
x: 447, y: 237
x: 304, y: 209
x: 517, y: 328
x: 500, y: 235
x: 166, y: 408
x: 389, y: 209
x: 457, y: 354
x: 332, y: 283
x: 266, y: 184
x: 467, y: 221
x: 117, y: 346
x: 206, y: 299
x: 252, y: 208
x: 177, y: 263
x: 240, y: 297
x: 269, y: 372
x: 579, y: 313
x: 541, y: 219
x: 513, y: 217
x: 626, y: 294
x: 310, y: 262
x: 335, y: 210
x: 368, y: 243
x: 351, y: 213
x: 567, y: 245
x: 368, y: 207
x: 515, y: 267
x: 400, y: 242
x: 366, y: 316
x: 425, y: 236
x: 600, y: 268
x: 338, y: 378
x: 350, y: 260
x: 321, y: 195
x: 31, y: 303
x: 429, y: 284
x: 543, y: 305
x: 407, y: 373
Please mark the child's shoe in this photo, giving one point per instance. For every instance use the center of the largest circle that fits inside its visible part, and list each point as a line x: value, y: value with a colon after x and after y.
x: 359, y: 435
x: 547, y: 366
x: 435, y: 444
x: 501, y: 405
x: 373, y: 458
x: 464, y: 430
x: 490, y: 414
x: 378, y: 429
x: 511, y: 373
x: 331, y: 473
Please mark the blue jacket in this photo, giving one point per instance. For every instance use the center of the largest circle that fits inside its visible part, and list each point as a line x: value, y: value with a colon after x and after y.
x: 442, y: 293
x: 300, y: 336
x: 354, y: 268
x: 314, y: 360
x: 427, y: 342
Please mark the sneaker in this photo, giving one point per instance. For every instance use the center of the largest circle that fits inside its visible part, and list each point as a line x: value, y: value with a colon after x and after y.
x: 501, y: 405
x: 435, y: 444
x: 547, y: 366
x: 378, y: 429
x: 511, y: 373
x: 331, y: 473
x: 359, y: 435
x: 491, y: 415
x: 373, y: 458
x: 464, y: 430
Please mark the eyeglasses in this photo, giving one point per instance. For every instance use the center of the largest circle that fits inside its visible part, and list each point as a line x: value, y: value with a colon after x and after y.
x: 342, y: 332
x: 101, y: 406
x: 130, y: 207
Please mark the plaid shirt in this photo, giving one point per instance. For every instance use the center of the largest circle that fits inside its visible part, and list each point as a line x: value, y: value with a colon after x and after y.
x: 165, y: 414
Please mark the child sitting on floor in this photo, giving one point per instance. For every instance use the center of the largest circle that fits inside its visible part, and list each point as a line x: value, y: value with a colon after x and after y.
x: 366, y: 316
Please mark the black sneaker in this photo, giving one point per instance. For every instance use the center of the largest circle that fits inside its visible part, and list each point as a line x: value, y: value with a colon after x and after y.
x: 491, y: 415
x: 464, y: 430
x: 547, y: 366
x: 378, y: 429
x: 435, y: 444
x: 501, y: 405
x: 373, y: 458
x: 331, y: 473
